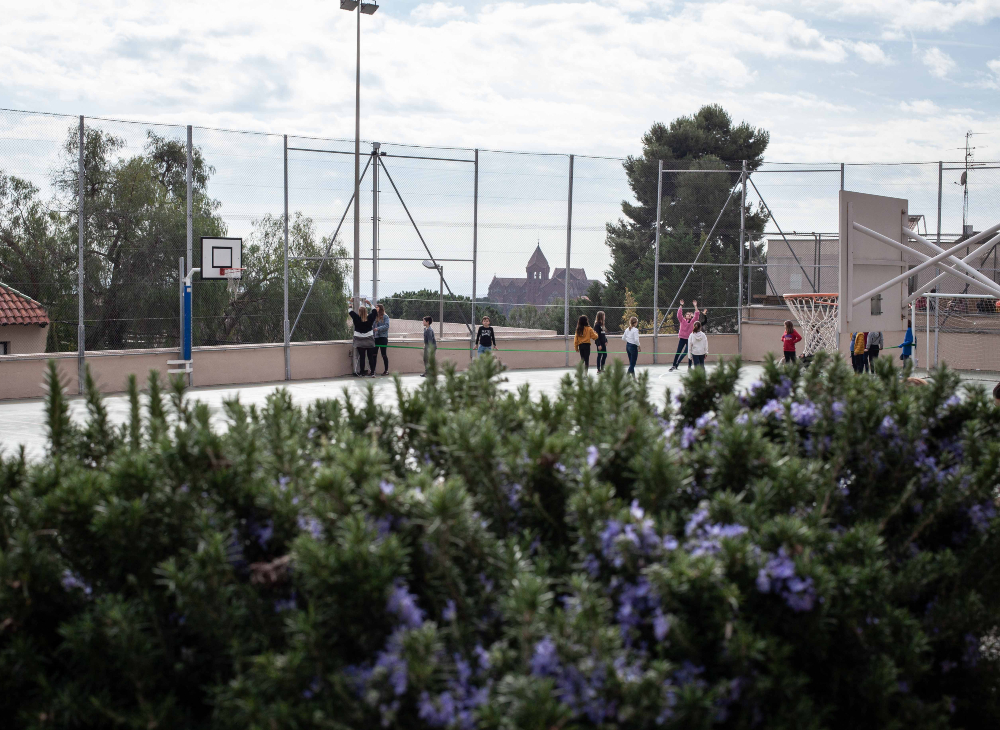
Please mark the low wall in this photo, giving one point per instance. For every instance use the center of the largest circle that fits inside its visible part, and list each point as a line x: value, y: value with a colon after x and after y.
x: 23, y: 376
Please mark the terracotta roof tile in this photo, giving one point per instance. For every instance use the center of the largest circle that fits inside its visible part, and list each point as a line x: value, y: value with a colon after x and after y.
x: 16, y: 308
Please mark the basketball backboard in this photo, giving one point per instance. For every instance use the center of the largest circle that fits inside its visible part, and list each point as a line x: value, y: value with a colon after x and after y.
x: 866, y: 263
x: 220, y: 254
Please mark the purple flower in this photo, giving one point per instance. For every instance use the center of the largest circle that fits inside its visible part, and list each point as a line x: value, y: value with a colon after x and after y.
x: 804, y: 414
x: 283, y: 483
x: 784, y: 388
x: 545, y: 659
x: 262, y: 533
x: 688, y: 436
x: 981, y: 514
x: 661, y: 625
x: 71, y: 580
x: 636, y: 511
x: 705, y: 420
x: 592, y: 456
x: 669, y: 542
x: 837, y: 408
x: 449, y: 612
x: 287, y: 604
x: 592, y: 565
x: 313, y: 689
x: 773, y: 408
x: 387, y: 488
x: 311, y: 525
x: 778, y: 576
x: 482, y: 656
x: 887, y: 428
x: 953, y: 401
x: 403, y: 604
x: 695, y: 521
x: 743, y: 419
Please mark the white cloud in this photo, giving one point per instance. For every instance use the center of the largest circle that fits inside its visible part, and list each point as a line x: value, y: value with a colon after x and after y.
x: 910, y: 15
x: 938, y: 63
x: 871, y: 53
x: 994, y: 66
x: 437, y: 12
x: 919, y: 106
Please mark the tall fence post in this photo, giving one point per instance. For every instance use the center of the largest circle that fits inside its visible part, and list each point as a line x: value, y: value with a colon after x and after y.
x: 475, y: 245
x: 181, y: 271
x: 81, y: 339
x: 569, y: 241
x: 743, y: 228
x: 285, y: 323
x: 841, y: 175
x: 189, y: 175
x: 375, y: 147
x: 656, y: 262
x: 937, y: 271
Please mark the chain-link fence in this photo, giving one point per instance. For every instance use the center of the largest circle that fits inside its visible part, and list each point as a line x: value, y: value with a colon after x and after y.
x: 533, y: 241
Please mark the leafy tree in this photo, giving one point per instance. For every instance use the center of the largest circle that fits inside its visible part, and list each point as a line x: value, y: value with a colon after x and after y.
x: 38, y: 256
x: 815, y: 552
x: 415, y: 305
x: 706, y: 141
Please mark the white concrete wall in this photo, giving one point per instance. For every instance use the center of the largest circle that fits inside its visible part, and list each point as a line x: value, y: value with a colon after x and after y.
x: 24, y: 339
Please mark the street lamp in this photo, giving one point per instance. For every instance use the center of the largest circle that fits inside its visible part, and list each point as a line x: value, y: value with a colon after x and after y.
x: 440, y: 269
x: 367, y: 9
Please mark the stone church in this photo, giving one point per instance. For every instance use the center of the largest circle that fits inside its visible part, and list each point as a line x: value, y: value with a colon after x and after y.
x: 537, y: 287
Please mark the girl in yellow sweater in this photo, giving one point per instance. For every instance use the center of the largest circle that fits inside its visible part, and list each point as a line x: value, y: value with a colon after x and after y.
x: 581, y: 342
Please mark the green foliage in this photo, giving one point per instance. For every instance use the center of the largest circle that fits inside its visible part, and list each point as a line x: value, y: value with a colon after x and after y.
x: 707, y: 140
x: 415, y: 305
x: 817, y: 551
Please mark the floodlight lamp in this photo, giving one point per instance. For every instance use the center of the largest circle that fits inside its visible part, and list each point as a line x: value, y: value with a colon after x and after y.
x: 429, y: 264
x: 369, y: 8
x: 348, y: 4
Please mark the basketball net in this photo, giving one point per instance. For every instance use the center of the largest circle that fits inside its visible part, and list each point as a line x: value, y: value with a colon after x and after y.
x: 232, y: 280
x: 817, y: 314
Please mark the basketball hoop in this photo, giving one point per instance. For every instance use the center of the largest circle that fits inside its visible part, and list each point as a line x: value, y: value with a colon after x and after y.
x: 232, y: 276
x: 817, y: 313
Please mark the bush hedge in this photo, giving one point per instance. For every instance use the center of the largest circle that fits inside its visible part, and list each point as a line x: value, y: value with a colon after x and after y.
x: 818, y: 551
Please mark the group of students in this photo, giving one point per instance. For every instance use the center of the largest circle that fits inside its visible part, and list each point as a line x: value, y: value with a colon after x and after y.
x: 865, y: 346
x: 692, y: 339
x: 371, y: 334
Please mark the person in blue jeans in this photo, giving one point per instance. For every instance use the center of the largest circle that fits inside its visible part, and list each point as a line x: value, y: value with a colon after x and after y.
x: 486, y: 338
x: 631, y: 337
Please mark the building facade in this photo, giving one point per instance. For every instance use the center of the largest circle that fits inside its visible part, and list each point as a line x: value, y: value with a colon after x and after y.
x: 537, y: 287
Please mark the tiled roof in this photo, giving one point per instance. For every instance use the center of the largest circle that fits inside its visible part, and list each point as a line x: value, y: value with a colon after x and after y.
x: 538, y: 260
x: 16, y: 308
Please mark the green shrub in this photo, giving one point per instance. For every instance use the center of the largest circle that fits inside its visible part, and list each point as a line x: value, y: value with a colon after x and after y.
x: 819, y: 551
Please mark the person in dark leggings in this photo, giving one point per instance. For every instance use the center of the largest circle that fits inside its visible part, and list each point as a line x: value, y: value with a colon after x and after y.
x: 685, y: 324
x: 602, y: 341
x: 875, y: 342
x: 631, y: 337
x: 381, y: 332
x: 363, y: 340
x: 581, y: 341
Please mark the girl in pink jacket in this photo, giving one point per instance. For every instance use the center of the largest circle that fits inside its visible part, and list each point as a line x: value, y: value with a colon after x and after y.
x: 685, y: 323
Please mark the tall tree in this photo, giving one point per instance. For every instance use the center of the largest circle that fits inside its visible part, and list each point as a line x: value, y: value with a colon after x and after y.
x: 707, y: 141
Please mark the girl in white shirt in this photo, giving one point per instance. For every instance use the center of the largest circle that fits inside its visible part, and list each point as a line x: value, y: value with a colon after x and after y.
x: 631, y: 337
x: 698, y: 345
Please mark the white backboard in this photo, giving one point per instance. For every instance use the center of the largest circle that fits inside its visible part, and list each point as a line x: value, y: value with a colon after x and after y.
x: 219, y: 254
x: 866, y: 263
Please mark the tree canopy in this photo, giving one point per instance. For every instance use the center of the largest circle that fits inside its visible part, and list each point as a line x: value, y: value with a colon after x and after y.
x: 708, y: 141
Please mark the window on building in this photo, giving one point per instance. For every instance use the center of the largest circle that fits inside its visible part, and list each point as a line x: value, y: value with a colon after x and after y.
x: 877, y: 304
x: 4, y: 348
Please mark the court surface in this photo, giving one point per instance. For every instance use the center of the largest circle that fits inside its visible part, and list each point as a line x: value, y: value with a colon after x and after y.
x: 22, y: 422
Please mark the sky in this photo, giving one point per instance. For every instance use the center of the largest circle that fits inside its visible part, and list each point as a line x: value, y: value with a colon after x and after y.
x: 837, y: 80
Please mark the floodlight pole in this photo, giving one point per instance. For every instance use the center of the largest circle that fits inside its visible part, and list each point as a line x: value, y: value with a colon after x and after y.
x: 743, y: 227
x: 285, y: 323
x: 656, y: 262
x: 375, y: 154
x: 440, y: 269
x: 569, y: 240
x: 81, y: 338
x: 357, y: 169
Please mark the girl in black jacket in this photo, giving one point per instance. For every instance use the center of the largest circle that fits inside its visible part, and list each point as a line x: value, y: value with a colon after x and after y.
x: 364, y: 341
x: 601, y: 343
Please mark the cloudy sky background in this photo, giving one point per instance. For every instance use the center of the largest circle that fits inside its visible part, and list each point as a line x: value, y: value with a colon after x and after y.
x: 850, y: 80
x: 833, y: 81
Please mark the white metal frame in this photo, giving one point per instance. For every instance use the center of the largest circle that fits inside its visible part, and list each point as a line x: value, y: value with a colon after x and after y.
x: 937, y: 326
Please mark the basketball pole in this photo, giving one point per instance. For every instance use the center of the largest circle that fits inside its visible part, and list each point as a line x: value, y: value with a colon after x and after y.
x: 656, y: 261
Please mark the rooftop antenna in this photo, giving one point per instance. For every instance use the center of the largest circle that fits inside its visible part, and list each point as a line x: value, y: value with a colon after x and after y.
x: 964, y: 180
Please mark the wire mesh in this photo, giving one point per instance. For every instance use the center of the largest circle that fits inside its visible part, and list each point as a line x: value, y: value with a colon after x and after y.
x: 503, y: 235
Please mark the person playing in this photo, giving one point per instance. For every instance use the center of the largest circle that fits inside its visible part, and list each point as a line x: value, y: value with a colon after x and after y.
x: 863, y: 360
x: 381, y: 331
x: 581, y: 341
x: 430, y: 344
x: 631, y: 337
x: 364, y: 341
x: 685, y: 324
x: 486, y: 338
x: 907, y: 344
x: 875, y: 343
x: 699, y: 345
x: 789, y: 338
x: 602, y: 341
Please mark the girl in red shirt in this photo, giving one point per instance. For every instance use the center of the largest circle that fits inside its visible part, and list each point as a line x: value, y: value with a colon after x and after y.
x: 788, y: 341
